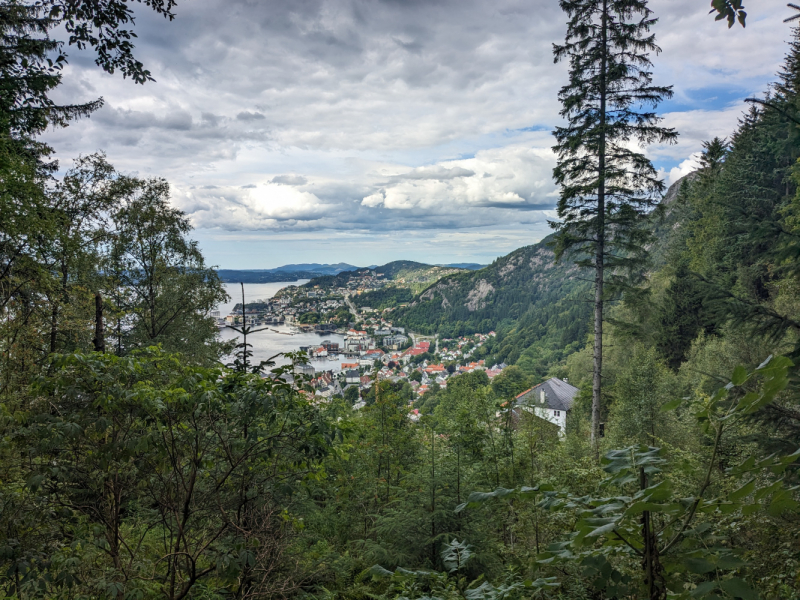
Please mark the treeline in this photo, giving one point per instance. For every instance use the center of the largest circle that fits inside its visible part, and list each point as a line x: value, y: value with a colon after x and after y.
x: 388, y: 297
x: 97, y: 247
x: 234, y: 276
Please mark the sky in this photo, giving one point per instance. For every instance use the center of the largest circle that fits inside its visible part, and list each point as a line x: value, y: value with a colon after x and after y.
x: 366, y: 131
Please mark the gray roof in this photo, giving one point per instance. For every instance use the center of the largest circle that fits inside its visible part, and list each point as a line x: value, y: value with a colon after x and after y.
x: 559, y: 395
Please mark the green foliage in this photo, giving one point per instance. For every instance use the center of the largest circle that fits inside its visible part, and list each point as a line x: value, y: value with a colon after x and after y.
x: 510, y: 382
x: 650, y: 522
x: 607, y: 188
x: 164, y: 479
x: 640, y: 388
x: 161, y: 289
x: 730, y: 10
x: 309, y: 318
x: 351, y: 394
x: 388, y: 297
x: 405, y: 583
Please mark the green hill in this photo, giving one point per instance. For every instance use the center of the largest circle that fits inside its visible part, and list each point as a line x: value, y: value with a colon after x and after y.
x: 399, y: 273
x: 538, y: 308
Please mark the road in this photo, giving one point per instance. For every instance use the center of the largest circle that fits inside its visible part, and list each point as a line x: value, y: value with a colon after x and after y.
x: 352, y: 306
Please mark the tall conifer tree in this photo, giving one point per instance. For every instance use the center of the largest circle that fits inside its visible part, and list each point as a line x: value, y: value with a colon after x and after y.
x: 607, y: 186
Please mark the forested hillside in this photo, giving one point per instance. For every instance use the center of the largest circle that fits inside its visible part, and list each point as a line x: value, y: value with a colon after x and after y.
x: 538, y: 307
x: 283, y: 273
x: 139, y: 459
x: 402, y: 273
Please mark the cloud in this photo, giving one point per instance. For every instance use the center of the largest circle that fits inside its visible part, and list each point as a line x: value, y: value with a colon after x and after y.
x: 687, y: 166
x: 289, y: 179
x: 170, y: 119
x: 373, y: 200
x: 331, y: 117
x: 250, y: 116
x: 264, y: 206
x: 514, y: 177
x: 437, y: 173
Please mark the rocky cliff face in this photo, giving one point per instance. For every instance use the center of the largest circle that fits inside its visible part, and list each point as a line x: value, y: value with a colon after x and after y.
x: 672, y: 192
x: 479, y: 301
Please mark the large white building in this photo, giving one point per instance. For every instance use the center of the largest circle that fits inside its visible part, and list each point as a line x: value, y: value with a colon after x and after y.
x: 551, y: 400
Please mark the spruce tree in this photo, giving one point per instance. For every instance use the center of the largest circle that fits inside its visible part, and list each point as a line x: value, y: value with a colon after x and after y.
x: 607, y: 187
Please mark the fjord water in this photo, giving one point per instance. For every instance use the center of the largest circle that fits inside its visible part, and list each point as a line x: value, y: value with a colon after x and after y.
x: 278, y: 338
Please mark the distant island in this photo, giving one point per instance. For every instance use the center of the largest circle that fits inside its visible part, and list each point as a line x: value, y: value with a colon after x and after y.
x: 295, y: 272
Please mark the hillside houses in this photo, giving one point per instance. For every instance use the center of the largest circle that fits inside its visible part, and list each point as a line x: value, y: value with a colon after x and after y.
x: 419, y: 348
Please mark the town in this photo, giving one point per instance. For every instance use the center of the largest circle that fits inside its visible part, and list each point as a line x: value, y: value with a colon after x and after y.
x: 371, y: 346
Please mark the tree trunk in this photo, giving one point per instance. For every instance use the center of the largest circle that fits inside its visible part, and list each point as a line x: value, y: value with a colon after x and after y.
x: 99, y: 329
x: 650, y: 561
x: 53, y: 327
x: 433, y: 499
x: 597, y: 383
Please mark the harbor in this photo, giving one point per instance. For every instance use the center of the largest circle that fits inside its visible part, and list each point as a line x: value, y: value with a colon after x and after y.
x: 275, y: 335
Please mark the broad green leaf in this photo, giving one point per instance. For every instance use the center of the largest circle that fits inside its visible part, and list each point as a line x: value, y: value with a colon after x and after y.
x: 739, y: 375
x: 378, y: 571
x: 699, y: 565
x: 737, y: 588
x: 743, y: 491
x: 638, y: 508
x: 729, y: 561
x: 602, y: 530
x: 781, y: 502
x: 703, y: 589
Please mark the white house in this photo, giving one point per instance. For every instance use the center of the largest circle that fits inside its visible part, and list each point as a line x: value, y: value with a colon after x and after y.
x: 551, y: 400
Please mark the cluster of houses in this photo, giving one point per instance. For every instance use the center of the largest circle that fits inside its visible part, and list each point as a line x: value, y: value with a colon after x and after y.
x: 283, y: 308
x: 551, y: 400
x: 360, y: 369
x: 358, y: 343
x: 464, y: 346
x: 362, y: 361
